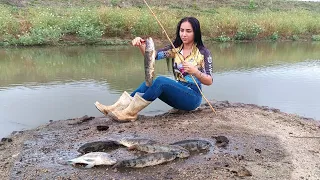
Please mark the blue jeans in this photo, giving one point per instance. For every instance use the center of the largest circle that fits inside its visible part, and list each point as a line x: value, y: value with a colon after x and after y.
x: 180, y: 95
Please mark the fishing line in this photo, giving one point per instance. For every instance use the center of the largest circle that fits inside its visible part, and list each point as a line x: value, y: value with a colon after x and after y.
x: 182, y: 60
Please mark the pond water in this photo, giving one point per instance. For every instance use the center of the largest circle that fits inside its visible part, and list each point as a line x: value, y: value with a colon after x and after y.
x: 51, y: 83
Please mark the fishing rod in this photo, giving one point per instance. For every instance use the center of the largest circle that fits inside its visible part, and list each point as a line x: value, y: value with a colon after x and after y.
x: 182, y: 60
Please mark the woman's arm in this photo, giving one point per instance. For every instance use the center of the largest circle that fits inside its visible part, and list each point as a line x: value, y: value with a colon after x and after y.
x: 206, y: 76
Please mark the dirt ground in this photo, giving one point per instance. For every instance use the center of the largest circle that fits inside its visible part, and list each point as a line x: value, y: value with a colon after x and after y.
x: 264, y: 143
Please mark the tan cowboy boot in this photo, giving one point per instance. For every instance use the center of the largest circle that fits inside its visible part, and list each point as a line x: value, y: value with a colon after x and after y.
x: 121, y: 104
x: 131, y: 112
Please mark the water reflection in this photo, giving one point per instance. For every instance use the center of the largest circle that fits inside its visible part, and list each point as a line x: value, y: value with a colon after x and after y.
x: 39, y: 84
x: 122, y: 67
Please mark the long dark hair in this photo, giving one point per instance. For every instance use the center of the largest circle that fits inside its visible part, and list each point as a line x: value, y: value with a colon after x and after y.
x: 196, y: 29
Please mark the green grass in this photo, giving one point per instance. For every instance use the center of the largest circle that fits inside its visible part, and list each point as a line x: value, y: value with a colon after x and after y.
x: 255, y: 5
x: 316, y: 37
x: 98, y: 24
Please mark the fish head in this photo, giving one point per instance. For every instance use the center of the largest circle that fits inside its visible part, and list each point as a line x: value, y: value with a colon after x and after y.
x: 181, y: 153
x: 107, y: 160
x: 128, y: 142
x: 133, y: 147
x: 100, y: 158
x: 204, y: 145
x: 149, y: 44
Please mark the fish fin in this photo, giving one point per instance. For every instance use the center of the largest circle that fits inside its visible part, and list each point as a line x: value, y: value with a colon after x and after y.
x: 117, y: 165
x: 71, y: 162
x: 89, y: 166
x: 75, y: 161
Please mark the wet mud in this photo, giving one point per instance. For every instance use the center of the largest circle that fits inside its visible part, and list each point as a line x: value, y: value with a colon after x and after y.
x: 262, y: 143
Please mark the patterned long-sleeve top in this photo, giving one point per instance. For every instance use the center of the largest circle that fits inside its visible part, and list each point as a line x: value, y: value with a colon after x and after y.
x: 199, y: 57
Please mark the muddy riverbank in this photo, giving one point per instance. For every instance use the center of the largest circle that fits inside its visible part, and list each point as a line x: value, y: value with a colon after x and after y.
x: 264, y: 143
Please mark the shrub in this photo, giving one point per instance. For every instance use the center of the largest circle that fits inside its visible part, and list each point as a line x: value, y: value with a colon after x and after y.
x: 316, y: 38
x: 295, y: 37
x: 248, y: 31
x: 89, y: 33
x: 223, y: 38
x: 38, y: 36
x: 274, y: 36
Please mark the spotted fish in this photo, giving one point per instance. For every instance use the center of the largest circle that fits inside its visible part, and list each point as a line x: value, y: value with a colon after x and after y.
x: 151, y: 159
x: 194, y: 144
x: 149, y: 61
x: 94, y: 159
x: 128, y: 142
x: 152, y: 148
x: 99, y: 146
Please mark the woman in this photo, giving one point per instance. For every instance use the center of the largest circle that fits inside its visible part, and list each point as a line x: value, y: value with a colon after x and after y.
x: 181, y: 93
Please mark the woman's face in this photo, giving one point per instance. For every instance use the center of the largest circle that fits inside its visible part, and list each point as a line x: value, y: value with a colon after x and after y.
x: 186, y: 33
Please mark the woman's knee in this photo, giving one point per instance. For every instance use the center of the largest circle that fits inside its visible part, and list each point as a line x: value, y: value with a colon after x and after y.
x: 141, y: 89
x: 161, y: 80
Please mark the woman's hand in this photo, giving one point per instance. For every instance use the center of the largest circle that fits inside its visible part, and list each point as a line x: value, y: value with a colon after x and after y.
x: 189, y: 68
x: 141, y: 43
x: 138, y: 41
x: 193, y: 70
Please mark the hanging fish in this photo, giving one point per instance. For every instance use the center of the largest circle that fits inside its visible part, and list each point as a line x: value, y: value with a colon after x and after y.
x: 149, y: 61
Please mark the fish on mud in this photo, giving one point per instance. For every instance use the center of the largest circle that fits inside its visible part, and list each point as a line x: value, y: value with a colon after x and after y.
x: 99, y: 146
x: 128, y: 142
x: 153, y: 148
x: 149, y: 61
x: 151, y: 159
x: 194, y: 144
x: 94, y: 159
